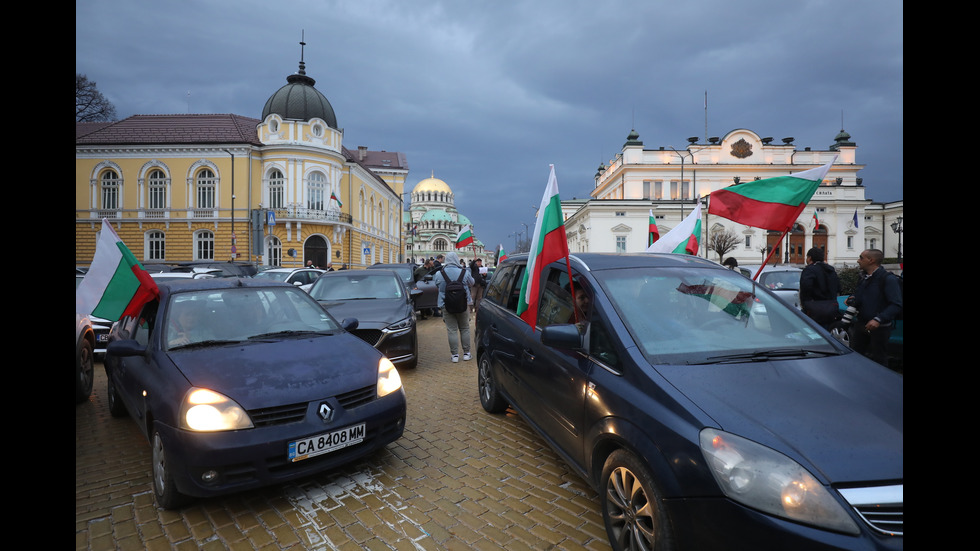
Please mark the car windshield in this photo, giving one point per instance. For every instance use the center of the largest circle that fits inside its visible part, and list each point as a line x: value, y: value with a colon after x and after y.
x: 274, y: 276
x: 357, y: 286
x: 698, y: 316
x: 242, y: 313
x: 780, y: 279
x: 405, y: 272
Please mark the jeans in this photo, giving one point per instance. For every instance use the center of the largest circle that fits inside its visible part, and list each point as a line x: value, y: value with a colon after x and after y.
x: 458, y: 327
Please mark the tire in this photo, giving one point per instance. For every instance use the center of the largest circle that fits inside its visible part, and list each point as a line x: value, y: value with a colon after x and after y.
x: 490, y: 396
x: 164, y: 488
x: 84, y: 371
x: 116, y: 406
x: 631, y: 506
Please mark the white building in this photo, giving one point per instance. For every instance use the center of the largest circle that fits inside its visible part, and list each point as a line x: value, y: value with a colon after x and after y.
x: 669, y: 181
x: 433, y: 223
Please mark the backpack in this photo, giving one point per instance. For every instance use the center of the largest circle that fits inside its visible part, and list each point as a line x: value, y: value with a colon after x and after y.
x: 455, y: 299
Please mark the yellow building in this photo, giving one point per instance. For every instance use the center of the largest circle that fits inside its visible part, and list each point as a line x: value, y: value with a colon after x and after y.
x: 281, y: 190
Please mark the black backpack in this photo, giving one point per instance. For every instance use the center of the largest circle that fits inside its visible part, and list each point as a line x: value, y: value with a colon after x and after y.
x: 455, y: 299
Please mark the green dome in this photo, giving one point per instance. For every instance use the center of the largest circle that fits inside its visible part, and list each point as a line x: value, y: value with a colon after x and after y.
x: 436, y: 215
x: 299, y: 100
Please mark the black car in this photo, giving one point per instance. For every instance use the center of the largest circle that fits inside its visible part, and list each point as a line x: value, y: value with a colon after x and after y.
x: 240, y: 383
x: 706, y: 412
x: 429, y: 296
x: 382, y: 306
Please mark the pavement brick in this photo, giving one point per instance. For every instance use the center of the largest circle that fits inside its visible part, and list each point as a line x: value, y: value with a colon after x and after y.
x: 459, y: 478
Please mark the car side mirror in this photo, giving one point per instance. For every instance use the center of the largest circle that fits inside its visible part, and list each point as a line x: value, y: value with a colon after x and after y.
x: 349, y: 324
x: 565, y: 335
x: 125, y: 347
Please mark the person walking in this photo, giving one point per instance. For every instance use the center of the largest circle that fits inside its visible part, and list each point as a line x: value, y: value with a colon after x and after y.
x: 819, y: 287
x: 878, y: 299
x: 457, y: 322
x: 479, y: 284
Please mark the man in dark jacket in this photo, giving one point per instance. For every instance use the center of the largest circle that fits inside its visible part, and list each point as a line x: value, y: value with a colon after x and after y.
x: 819, y: 287
x: 878, y: 300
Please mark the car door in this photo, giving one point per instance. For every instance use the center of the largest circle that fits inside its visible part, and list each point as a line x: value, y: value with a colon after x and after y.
x: 129, y: 372
x: 503, y: 332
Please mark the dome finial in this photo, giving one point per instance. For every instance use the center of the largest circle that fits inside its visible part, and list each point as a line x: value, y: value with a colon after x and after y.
x: 302, y: 46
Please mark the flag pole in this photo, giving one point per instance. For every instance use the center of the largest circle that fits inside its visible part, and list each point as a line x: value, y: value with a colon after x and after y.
x: 766, y: 261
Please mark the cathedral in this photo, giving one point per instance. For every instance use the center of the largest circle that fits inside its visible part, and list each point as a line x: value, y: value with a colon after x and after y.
x: 434, y: 223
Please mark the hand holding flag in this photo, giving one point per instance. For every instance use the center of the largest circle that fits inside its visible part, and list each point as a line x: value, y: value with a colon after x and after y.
x: 116, y: 285
x: 465, y: 237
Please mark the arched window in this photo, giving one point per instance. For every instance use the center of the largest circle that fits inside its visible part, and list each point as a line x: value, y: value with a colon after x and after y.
x: 205, y: 186
x: 316, y: 188
x: 277, y: 186
x: 204, y: 245
x: 440, y: 245
x: 110, y: 186
x: 273, y: 251
x: 155, y: 245
x: 156, y: 190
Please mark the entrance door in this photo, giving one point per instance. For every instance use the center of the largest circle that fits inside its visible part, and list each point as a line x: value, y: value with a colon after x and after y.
x: 317, y: 250
x: 797, y: 240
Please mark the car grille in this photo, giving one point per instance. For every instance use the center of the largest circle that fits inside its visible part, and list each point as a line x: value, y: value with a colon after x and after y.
x: 882, y: 507
x: 358, y: 397
x: 291, y: 413
x: 370, y: 336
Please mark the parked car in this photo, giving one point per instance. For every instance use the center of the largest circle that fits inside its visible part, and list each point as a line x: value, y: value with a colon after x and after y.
x: 382, y: 306
x: 704, y: 411
x: 302, y: 277
x: 227, y: 269
x: 782, y: 280
x: 429, y: 297
x: 100, y: 326
x: 239, y: 383
x: 84, y: 357
x: 201, y: 273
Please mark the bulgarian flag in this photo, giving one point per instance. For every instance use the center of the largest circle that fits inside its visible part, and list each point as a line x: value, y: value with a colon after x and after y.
x: 333, y: 197
x: 501, y: 254
x: 116, y: 285
x: 465, y: 237
x: 684, y: 238
x: 770, y: 204
x: 548, y: 245
x: 654, y: 232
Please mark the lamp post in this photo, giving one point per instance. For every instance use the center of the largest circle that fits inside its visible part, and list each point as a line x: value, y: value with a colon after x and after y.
x: 897, y: 228
x: 234, y: 248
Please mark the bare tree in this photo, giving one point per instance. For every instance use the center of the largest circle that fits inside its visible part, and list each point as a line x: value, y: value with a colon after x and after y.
x: 723, y: 242
x: 90, y: 104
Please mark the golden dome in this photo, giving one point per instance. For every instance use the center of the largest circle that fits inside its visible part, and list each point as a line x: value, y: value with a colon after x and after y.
x: 432, y: 184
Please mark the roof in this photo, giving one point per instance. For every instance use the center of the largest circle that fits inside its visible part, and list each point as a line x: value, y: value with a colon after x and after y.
x: 590, y: 262
x: 170, y: 129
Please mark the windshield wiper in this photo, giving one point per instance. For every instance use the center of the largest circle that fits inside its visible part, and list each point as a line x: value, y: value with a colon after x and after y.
x: 201, y: 344
x: 762, y: 356
x: 289, y: 333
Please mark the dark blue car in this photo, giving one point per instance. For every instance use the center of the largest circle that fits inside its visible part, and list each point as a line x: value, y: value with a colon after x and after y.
x: 706, y: 413
x: 240, y: 383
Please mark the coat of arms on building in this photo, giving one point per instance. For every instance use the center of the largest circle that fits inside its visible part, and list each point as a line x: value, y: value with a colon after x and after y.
x: 741, y: 149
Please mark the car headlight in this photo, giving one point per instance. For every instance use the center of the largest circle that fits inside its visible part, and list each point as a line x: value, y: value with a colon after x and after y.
x: 402, y: 324
x: 764, y: 479
x: 388, y: 379
x: 207, y: 411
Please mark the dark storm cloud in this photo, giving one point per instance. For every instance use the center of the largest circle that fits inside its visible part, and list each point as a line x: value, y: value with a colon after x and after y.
x: 487, y: 95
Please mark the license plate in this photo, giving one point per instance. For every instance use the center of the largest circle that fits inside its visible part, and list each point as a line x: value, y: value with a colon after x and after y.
x: 325, y: 443
x: 102, y: 337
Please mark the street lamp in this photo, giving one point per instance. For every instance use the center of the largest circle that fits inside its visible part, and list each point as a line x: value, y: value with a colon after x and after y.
x: 897, y: 228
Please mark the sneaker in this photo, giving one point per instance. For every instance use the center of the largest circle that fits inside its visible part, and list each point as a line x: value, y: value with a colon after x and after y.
x: 466, y: 357
x: 456, y: 358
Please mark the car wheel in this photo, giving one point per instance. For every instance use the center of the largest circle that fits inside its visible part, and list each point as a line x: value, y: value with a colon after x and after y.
x: 631, y: 506
x: 163, y: 482
x: 84, y: 372
x: 116, y: 406
x: 490, y: 397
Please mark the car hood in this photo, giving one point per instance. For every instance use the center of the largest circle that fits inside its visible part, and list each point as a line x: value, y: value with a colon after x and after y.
x: 369, y: 313
x: 841, y: 417
x: 286, y: 371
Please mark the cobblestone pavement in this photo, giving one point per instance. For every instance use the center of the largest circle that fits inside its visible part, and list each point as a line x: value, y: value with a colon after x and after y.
x: 459, y: 478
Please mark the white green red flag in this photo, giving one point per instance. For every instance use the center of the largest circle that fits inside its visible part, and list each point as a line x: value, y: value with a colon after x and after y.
x: 116, y: 285
x: 654, y: 232
x: 547, y: 245
x: 770, y: 204
x: 684, y: 238
x: 333, y: 197
x: 465, y: 237
x: 501, y: 254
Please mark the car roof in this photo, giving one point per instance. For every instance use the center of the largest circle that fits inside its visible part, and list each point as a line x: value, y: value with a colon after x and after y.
x: 183, y: 285
x: 607, y: 261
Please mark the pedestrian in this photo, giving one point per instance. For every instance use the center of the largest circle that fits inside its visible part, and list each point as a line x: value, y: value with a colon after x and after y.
x: 329, y: 267
x: 309, y: 264
x: 730, y: 263
x: 479, y: 283
x: 878, y: 299
x: 457, y: 323
x: 819, y: 288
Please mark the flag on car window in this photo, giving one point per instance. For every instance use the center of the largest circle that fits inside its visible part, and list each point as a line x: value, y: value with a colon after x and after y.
x: 116, y: 285
x: 771, y: 203
x: 654, y: 232
x: 684, y: 238
x: 465, y: 237
x: 547, y: 245
x: 501, y: 254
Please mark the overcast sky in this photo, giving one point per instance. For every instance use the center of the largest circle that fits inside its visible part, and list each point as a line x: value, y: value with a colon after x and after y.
x: 486, y: 94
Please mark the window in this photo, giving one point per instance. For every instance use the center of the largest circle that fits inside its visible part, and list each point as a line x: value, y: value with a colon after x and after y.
x: 156, y: 245
x: 204, y: 245
x: 658, y: 190
x: 316, y: 187
x: 277, y: 184
x: 273, y: 251
x: 156, y: 190
x: 748, y: 242
x: 620, y: 243
x: 206, y: 183
x: 110, y: 190
x: 646, y: 189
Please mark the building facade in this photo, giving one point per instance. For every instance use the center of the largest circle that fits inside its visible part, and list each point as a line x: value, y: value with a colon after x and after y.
x: 433, y: 223
x: 280, y: 190
x: 668, y: 182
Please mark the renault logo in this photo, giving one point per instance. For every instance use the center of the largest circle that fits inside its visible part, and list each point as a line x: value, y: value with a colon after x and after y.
x: 324, y: 411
